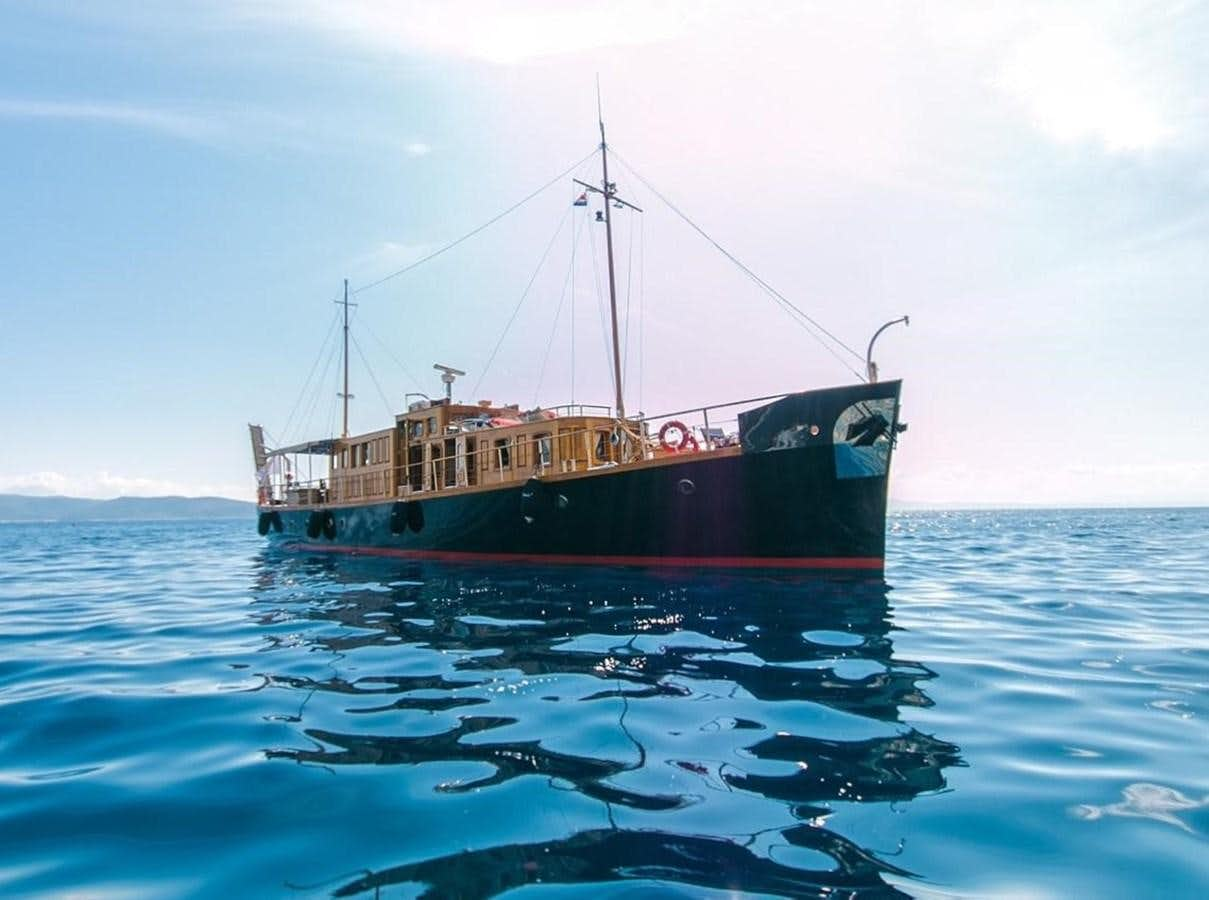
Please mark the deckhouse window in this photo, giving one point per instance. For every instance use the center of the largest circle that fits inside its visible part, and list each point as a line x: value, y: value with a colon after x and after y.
x: 448, y: 460
x: 544, y: 448
x: 503, y: 458
x: 415, y: 466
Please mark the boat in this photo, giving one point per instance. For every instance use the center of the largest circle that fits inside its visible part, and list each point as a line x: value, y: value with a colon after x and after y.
x: 799, y: 481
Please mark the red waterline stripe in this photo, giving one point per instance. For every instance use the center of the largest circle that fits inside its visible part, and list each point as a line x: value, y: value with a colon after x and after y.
x: 712, y: 562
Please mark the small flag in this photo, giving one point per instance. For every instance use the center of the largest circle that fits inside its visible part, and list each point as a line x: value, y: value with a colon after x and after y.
x: 581, y: 200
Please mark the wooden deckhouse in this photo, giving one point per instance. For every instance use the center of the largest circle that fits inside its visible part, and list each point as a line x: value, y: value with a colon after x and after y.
x: 440, y: 447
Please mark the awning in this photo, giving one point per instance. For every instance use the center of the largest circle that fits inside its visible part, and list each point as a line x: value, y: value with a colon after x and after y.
x: 311, y: 448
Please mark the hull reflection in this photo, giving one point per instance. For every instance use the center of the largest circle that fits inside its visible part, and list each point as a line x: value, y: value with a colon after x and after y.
x: 784, y: 692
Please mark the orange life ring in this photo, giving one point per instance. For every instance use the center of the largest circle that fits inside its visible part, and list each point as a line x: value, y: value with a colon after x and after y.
x: 262, y: 497
x: 686, y: 442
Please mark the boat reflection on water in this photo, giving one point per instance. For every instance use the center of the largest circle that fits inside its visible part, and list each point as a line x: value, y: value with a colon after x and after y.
x: 722, y: 691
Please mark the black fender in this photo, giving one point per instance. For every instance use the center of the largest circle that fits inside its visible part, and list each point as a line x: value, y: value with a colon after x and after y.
x: 537, y: 502
x: 398, y: 518
x: 415, y: 516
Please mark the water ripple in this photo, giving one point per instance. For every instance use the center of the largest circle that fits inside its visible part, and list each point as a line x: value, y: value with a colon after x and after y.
x: 1020, y: 707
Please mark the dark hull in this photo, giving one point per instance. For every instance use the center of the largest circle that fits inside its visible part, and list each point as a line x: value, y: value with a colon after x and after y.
x: 784, y: 502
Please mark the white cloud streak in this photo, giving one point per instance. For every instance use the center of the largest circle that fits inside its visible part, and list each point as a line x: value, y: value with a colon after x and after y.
x: 172, y: 123
x: 104, y: 485
x: 504, y: 33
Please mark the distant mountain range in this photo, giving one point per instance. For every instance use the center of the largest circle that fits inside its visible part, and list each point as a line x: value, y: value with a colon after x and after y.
x: 24, y: 508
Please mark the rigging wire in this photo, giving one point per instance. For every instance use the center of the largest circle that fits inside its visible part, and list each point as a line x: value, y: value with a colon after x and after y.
x: 304, y: 426
x: 331, y: 418
x: 600, y: 311
x: 629, y: 281
x: 473, y: 232
x: 641, y: 304
x: 390, y: 413
x: 573, y: 243
x: 769, y: 289
x: 311, y: 374
x: 525, y: 293
x: 381, y: 343
x: 562, y: 297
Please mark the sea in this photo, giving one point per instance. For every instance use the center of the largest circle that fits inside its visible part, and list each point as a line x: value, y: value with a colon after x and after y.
x: 1020, y: 708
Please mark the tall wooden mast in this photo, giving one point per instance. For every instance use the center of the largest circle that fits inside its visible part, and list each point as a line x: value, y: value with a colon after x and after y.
x: 608, y: 211
x: 609, y: 191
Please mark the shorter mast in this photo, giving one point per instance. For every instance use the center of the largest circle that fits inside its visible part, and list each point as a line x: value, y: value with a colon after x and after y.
x: 346, y: 396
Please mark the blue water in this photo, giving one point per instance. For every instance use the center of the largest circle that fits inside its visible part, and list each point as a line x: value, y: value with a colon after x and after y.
x: 1020, y: 709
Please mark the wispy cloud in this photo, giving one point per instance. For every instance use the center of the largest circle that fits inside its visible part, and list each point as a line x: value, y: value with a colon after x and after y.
x: 104, y: 485
x: 218, y: 126
x: 1076, y: 82
x: 174, y: 123
x: 497, y: 32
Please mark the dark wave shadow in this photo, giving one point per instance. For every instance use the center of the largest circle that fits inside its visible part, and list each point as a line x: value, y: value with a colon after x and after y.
x: 602, y: 855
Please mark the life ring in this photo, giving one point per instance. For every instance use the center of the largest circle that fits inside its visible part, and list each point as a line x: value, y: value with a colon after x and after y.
x: 686, y: 442
x: 262, y: 496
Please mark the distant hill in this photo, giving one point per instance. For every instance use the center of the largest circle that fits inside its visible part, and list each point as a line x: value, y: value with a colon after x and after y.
x: 25, y: 508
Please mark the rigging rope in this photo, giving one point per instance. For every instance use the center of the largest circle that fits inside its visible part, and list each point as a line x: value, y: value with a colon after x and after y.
x: 573, y: 243
x: 285, y: 432
x: 600, y: 311
x: 525, y: 293
x: 562, y: 297
x: 305, y: 426
x: 641, y: 303
x: 390, y: 413
x: 629, y: 281
x: 769, y: 289
x: 473, y: 232
x: 398, y: 362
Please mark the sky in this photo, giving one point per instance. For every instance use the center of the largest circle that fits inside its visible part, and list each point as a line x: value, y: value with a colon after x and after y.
x: 186, y: 185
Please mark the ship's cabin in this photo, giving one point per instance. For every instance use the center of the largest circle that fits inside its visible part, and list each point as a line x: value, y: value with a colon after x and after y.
x: 439, y: 446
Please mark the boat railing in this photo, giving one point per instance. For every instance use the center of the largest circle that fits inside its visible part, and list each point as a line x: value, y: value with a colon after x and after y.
x: 568, y: 410
x: 712, y: 427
